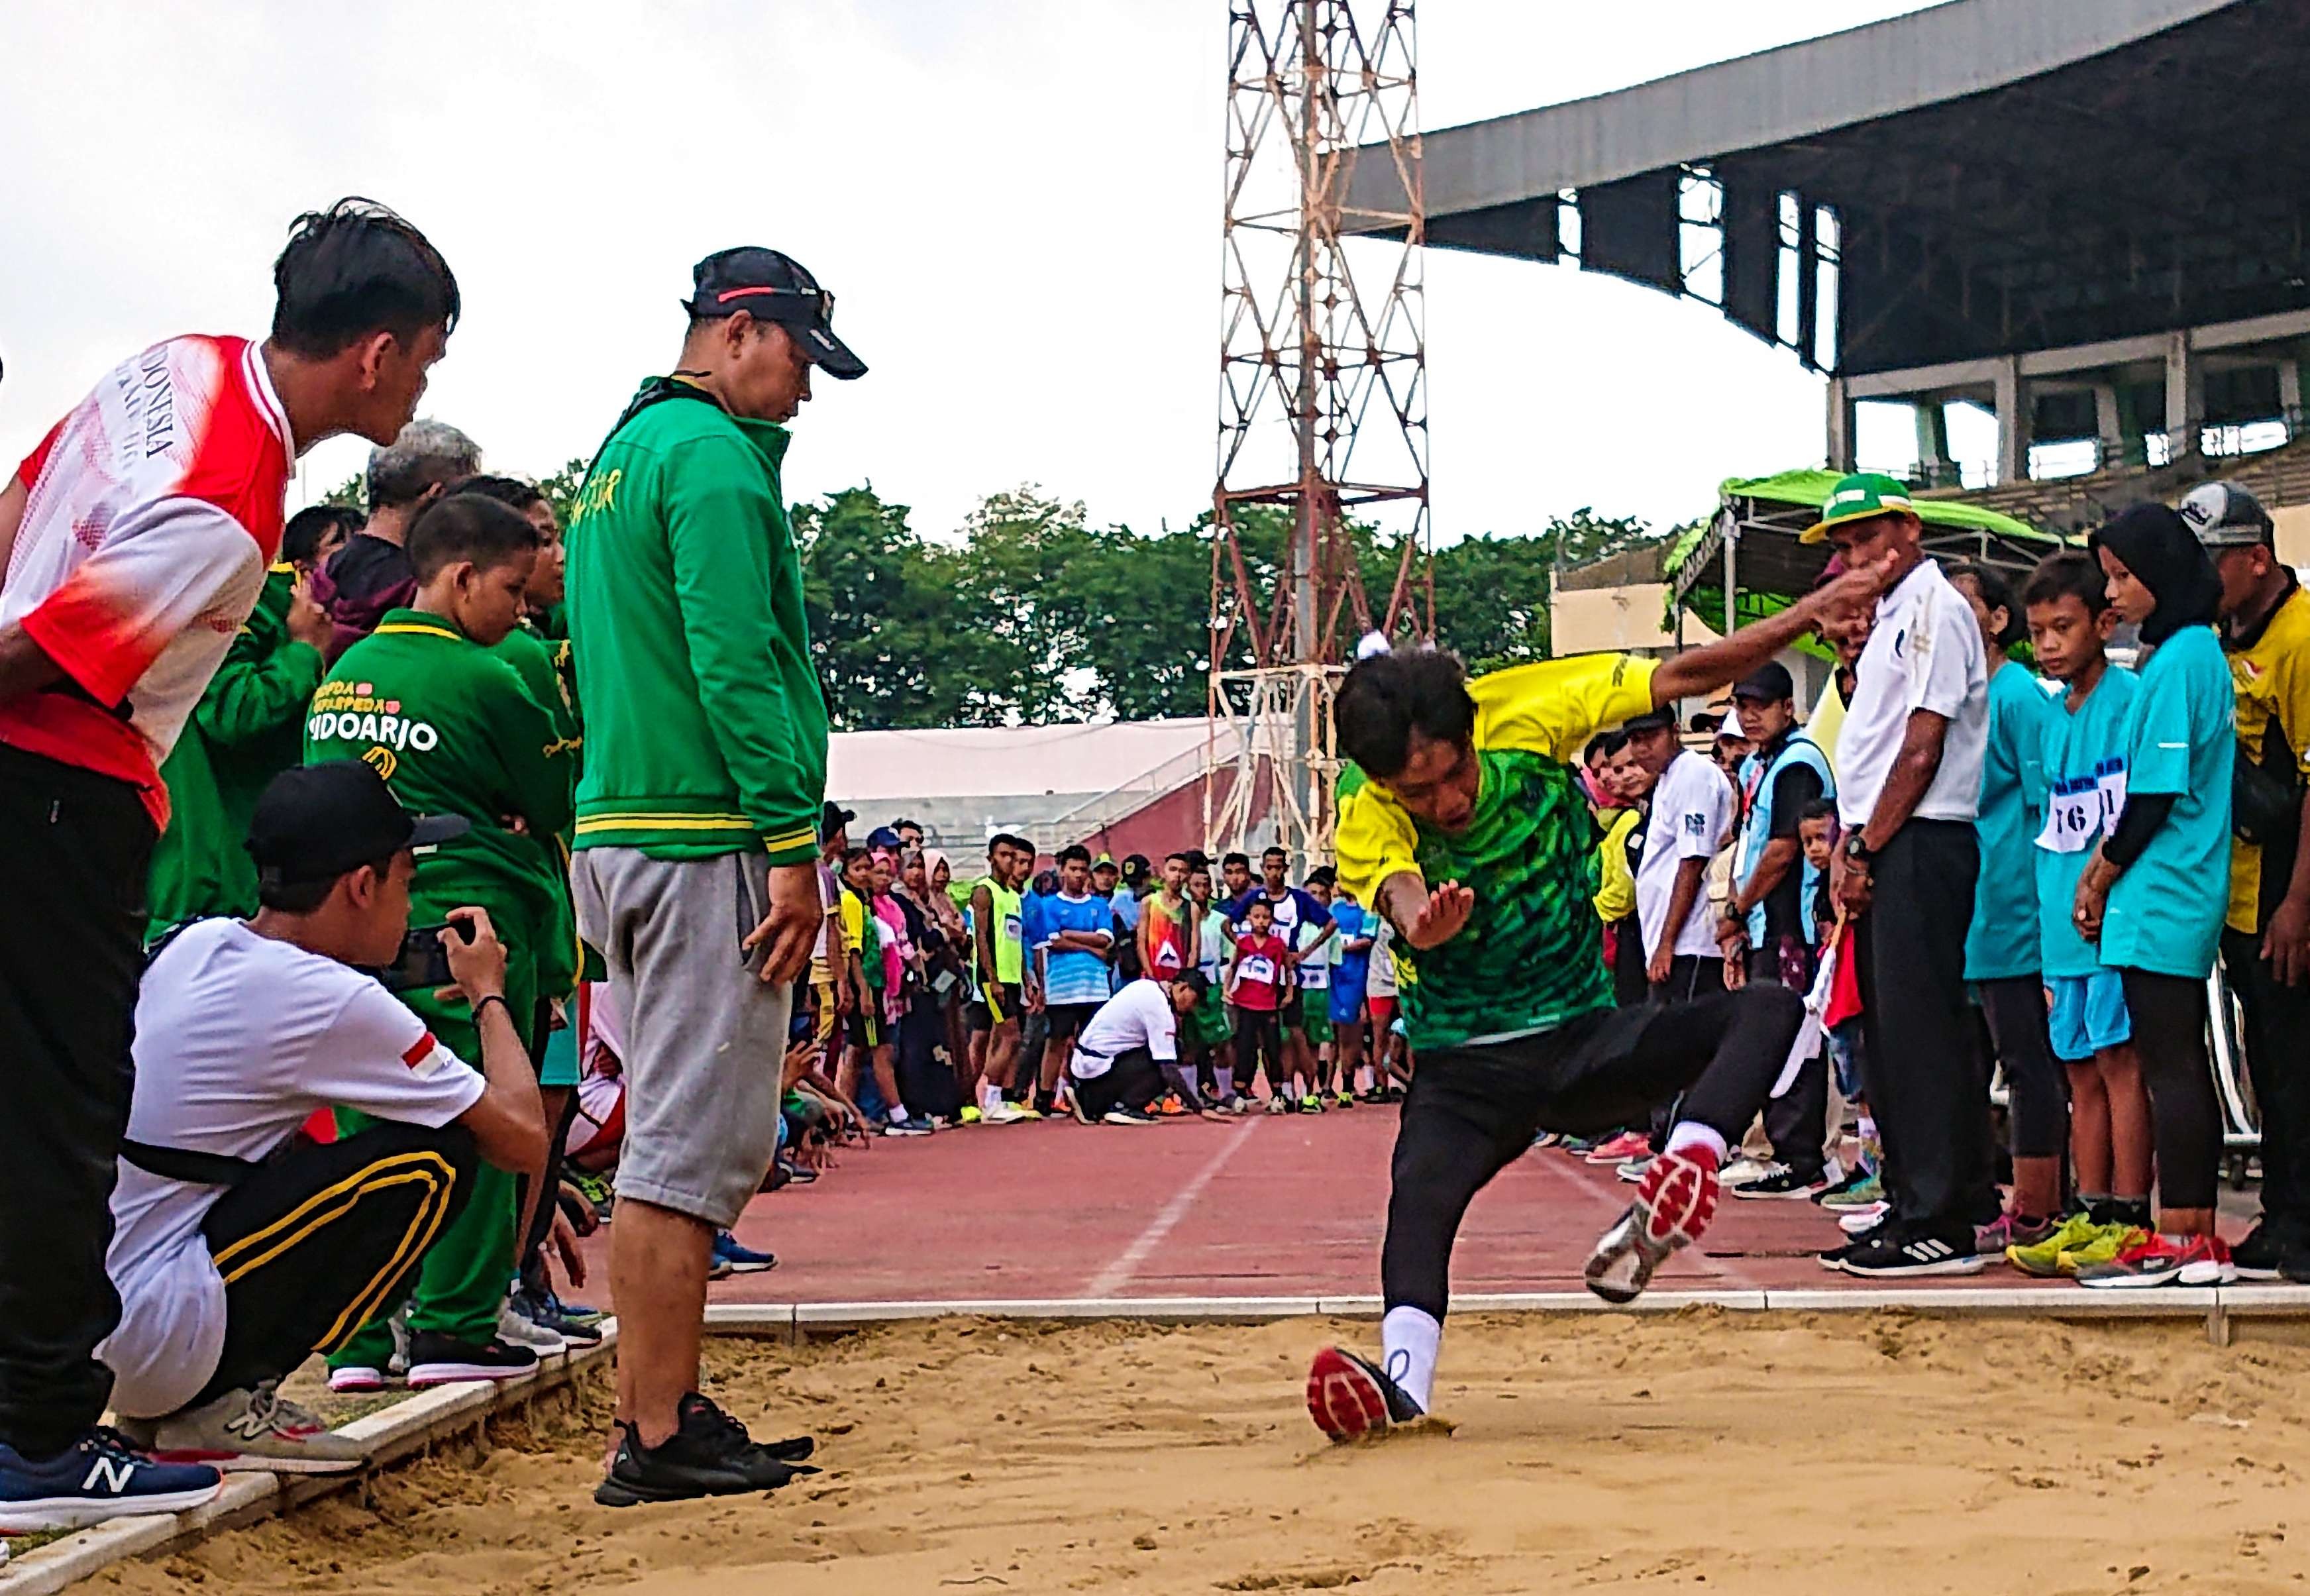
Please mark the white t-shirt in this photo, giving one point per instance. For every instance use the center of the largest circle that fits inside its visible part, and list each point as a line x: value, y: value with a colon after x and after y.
x: 1924, y: 653
x: 1381, y: 981
x: 1692, y: 812
x: 1139, y: 1016
x: 239, y: 1039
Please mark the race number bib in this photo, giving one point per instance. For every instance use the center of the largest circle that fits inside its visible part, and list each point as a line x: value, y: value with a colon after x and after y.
x: 1011, y: 929
x: 1257, y: 967
x: 1167, y: 957
x: 1315, y: 977
x: 2081, y: 811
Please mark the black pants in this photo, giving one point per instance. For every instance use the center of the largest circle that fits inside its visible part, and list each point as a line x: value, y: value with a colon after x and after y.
x: 2278, y: 1061
x: 1796, y: 1122
x: 2037, y: 1085
x: 324, y: 1239
x: 925, y: 1078
x: 1690, y: 978
x: 1925, y: 1084
x: 1472, y: 1111
x: 2169, y: 1034
x: 71, y: 919
x: 1133, y: 1081
x: 1259, y: 1035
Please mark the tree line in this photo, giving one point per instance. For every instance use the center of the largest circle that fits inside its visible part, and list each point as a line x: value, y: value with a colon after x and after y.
x: 1033, y: 614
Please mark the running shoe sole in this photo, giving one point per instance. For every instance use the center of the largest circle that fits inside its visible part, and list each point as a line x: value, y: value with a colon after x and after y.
x: 1344, y: 1400
x: 77, y: 1512
x: 1676, y: 1198
x: 1963, y: 1264
x: 764, y: 1267
x: 423, y: 1374
x: 253, y: 1462
x: 353, y: 1381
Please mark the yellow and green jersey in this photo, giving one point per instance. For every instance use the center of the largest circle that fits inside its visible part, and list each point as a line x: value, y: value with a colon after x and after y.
x: 2270, y: 669
x: 1529, y: 959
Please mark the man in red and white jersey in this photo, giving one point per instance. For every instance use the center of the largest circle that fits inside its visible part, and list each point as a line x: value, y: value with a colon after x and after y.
x: 133, y: 542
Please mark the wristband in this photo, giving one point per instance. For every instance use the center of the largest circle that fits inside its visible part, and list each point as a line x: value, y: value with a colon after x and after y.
x: 482, y: 1002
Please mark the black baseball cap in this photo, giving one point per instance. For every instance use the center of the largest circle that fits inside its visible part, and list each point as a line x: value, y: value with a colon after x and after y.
x: 773, y: 287
x: 833, y: 818
x: 1658, y: 720
x: 318, y: 822
x: 1769, y: 682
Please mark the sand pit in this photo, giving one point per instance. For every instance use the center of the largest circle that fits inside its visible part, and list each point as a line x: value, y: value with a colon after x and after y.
x: 1884, y: 1454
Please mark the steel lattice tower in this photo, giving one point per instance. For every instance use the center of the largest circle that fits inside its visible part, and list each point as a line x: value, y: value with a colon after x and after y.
x: 1323, y: 400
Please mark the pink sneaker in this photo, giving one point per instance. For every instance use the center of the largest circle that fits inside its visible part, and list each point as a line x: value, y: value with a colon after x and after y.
x: 1621, y: 1149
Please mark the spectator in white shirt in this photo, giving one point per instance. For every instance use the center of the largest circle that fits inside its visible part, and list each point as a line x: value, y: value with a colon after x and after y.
x: 1692, y: 817
x: 1909, y: 770
x: 1116, y: 1068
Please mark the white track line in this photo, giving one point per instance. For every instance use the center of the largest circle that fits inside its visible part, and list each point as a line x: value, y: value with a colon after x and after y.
x: 1110, y: 1279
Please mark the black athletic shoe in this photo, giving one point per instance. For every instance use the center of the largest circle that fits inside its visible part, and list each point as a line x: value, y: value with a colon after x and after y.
x: 1859, y: 1177
x: 1787, y: 1186
x: 435, y: 1359
x: 710, y: 1455
x: 1905, y: 1252
x: 1350, y: 1399
x: 2267, y: 1253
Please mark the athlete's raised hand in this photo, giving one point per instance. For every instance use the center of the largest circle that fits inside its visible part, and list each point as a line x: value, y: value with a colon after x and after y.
x: 1442, y: 916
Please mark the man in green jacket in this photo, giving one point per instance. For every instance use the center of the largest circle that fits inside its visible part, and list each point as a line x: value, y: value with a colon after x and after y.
x: 697, y: 810
x: 448, y: 724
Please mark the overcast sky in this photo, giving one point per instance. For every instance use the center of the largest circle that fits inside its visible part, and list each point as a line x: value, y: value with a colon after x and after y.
x: 1017, y: 202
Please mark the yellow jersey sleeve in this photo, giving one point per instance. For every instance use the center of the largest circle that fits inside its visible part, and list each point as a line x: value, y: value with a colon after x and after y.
x: 1616, y: 890
x: 854, y: 922
x: 1555, y: 706
x: 1373, y: 840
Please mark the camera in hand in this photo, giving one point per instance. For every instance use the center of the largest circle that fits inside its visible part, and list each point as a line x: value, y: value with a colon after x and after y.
x: 424, y: 961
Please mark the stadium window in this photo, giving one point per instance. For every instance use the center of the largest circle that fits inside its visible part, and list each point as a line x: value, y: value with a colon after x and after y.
x: 1827, y: 236
x: 1792, y: 262
x: 1700, y: 234
x: 1568, y: 225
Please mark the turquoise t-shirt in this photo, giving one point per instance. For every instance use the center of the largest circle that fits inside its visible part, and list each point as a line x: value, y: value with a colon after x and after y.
x: 2085, y: 788
x: 2003, y: 940
x: 2166, y: 913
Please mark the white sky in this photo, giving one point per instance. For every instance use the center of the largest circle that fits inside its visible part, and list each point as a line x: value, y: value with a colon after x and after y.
x: 1017, y: 202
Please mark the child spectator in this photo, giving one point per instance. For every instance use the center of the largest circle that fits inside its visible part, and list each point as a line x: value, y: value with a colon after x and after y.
x: 1213, y: 946
x: 1258, y: 978
x: 1863, y: 1192
x: 1314, y: 947
x: 2069, y: 621
x: 2156, y: 890
x: 2002, y: 957
x: 1351, y: 973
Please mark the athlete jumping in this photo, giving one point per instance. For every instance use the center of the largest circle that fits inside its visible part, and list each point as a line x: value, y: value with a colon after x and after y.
x: 1461, y: 820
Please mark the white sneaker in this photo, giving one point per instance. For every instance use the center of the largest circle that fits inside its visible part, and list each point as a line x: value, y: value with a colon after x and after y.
x: 517, y: 1331
x: 356, y: 1380
x: 253, y: 1428
x: 1741, y: 1172
x: 1855, y: 1220
x: 1003, y: 1113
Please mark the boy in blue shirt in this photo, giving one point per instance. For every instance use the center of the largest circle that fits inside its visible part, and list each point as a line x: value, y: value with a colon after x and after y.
x: 2084, y: 757
x: 2156, y: 890
x: 1077, y: 933
x: 1351, y: 973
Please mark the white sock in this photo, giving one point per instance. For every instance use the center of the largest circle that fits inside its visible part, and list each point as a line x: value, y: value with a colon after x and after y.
x: 990, y: 1096
x: 1224, y: 1074
x: 1692, y: 1133
x: 1408, y: 1339
x: 898, y: 1111
x: 1363, y: 1078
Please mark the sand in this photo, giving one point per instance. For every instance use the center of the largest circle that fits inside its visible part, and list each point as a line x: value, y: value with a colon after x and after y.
x: 1702, y: 1450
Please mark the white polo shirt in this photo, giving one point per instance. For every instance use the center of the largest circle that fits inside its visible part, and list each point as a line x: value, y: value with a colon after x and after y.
x: 1139, y: 1016
x: 1924, y: 653
x: 1692, y: 815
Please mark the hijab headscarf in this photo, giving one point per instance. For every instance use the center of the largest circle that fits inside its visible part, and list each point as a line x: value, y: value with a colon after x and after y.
x: 2157, y: 546
x: 942, y: 904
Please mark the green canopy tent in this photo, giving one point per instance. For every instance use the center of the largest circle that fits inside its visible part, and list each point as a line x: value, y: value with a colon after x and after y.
x: 1752, y: 546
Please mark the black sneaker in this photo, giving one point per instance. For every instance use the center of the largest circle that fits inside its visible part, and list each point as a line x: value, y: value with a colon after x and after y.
x: 1903, y: 1252
x: 544, y: 1311
x: 1859, y: 1177
x: 2267, y: 1250
x: 1787, y: 1186
x: 435, y: 1359
x: 710, y: 1455
x: 98, y: 1477
x: 1350, y: 1399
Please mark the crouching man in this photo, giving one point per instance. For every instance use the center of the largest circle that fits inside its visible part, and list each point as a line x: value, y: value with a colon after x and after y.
x: 241, y: 1248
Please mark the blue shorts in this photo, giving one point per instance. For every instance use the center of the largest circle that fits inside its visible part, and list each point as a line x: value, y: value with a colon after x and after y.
x: 2088, y: 1015
x: 1347, y: 1005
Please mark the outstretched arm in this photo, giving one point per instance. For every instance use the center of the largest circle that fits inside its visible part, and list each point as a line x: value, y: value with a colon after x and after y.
x: 1703, y: 669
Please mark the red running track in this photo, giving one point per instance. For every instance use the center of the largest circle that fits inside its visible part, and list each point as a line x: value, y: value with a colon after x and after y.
x: 1287, y: 1206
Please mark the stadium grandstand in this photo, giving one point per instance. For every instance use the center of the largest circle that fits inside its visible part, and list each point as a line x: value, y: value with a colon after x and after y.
x: 2090, y: 220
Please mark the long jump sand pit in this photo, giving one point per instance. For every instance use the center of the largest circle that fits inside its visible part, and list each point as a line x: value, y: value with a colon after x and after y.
x: 1709, y: 1450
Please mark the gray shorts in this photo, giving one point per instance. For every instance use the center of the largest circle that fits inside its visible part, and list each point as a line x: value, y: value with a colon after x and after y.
x: 705, y: 1039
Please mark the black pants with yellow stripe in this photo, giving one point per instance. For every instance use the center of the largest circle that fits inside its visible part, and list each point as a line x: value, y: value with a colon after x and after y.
x: 324, y: 1238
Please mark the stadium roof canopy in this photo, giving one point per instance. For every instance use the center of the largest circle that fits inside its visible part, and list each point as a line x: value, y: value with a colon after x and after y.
x: 2004, y: 175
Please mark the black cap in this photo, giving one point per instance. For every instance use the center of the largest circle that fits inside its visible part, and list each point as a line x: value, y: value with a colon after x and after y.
x: 833, y: 818
x: 1658, y: 720
x: 2225, y: 516
x: 773, y: 287
x: 1769, y: 682
x: 318, y: 822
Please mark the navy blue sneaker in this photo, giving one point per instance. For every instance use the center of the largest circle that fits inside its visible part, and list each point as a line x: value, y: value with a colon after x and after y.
x: 98, y: 1476
x: 741, y: 1259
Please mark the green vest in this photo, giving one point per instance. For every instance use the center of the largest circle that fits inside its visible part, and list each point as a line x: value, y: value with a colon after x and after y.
x: 1010, y: 942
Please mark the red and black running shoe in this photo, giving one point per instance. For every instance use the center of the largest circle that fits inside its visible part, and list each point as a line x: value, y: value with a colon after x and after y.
x: 1350, y: 1399
x: 1675, y: 1202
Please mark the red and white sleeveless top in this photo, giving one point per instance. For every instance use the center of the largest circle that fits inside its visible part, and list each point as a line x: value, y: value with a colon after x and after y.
x: 154, y: 508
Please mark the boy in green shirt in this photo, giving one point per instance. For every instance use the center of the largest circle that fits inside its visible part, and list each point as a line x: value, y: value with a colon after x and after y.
x: 429, y: 703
